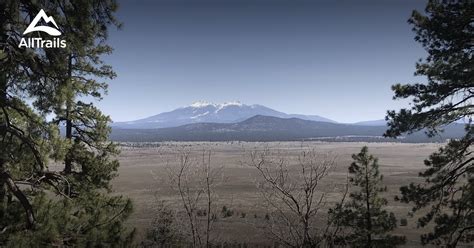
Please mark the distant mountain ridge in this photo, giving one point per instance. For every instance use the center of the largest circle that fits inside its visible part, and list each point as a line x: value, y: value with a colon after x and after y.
x: 202, y: 111
x: 381, y: 122
x: 270, y: 128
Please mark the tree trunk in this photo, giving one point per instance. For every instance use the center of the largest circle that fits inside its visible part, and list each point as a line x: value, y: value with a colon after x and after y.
x: 306, y: 238
x: 30, y: 218
x: 68, y: 159
x: 369, y: 217
x: 3, y: 199
x: 3, y: 128
x: 209, y: 205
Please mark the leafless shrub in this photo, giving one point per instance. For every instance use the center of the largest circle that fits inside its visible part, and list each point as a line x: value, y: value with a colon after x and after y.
x: 194, y: 179
x: 293, y: 193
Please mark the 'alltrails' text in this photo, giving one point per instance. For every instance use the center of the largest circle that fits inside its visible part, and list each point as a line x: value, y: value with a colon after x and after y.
x: 40, y: 43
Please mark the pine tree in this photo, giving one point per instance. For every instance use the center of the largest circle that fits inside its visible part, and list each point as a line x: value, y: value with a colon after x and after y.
x: 38, y: 82
x: 365, y: 222
x: 446, y: 31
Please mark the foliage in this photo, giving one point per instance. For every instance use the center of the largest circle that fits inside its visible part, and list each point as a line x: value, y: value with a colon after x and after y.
x: 446, y: 31
x: 226, y: 212
x: 367, y: 223
x: 164, y: 231
x: 69, y: 207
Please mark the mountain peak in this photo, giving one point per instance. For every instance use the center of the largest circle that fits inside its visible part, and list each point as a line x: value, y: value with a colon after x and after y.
x: 202, y: 104
x: 232, y: 103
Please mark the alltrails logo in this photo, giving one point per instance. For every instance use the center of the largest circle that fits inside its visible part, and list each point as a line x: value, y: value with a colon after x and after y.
x: 40, y: 42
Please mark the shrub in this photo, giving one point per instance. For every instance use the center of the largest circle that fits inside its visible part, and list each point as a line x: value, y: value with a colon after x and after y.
x: 403, y: 222
x: 267, y: 216
x: 226, y: 212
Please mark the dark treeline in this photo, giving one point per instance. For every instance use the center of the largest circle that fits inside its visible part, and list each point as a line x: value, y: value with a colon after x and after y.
x: 266, y: 128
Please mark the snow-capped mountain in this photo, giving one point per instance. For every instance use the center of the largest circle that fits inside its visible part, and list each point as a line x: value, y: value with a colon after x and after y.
x: 202, y: 111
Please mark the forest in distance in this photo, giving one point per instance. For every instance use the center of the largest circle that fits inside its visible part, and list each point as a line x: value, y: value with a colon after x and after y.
x: 70, y: 178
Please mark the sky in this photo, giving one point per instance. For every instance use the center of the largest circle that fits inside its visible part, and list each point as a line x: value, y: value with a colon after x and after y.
x: 335, y: 59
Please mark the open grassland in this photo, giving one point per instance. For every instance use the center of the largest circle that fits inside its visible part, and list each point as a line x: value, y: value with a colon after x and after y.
x: 143, y: 172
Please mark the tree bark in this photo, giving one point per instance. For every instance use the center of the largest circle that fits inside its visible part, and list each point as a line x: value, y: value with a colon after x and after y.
x: 30, y: 217
x: 3, y: 123
x: 369, y: 217
x: 68, y: 159
x: 209, y: 201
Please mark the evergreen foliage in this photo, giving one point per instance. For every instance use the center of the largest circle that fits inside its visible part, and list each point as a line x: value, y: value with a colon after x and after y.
x: 40, y: 204
x: 364, y: 221
x: 446, y: 31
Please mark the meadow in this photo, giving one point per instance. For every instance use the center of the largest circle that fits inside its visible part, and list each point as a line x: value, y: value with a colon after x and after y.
x: 145, y: 167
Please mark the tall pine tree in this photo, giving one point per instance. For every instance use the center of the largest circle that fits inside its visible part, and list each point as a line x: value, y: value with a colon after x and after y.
x: 364, y: 221
x: 36, y: 82
x: 446, y: 31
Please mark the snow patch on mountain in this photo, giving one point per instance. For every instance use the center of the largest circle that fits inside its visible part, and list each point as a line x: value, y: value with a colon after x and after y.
x: 201, y: 104
x: 227, y: 104
x: 199, y: 115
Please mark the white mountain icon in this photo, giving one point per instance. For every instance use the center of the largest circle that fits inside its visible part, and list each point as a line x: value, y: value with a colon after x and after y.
x: 49, y: 30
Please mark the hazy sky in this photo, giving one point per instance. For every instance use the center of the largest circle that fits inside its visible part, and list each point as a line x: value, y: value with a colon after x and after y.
x: 336, y: 59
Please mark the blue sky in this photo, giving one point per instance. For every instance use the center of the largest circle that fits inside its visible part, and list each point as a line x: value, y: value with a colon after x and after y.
x: 336, y: 59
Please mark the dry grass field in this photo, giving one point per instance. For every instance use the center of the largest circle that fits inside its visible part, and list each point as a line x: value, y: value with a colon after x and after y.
x: 142, y: 177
